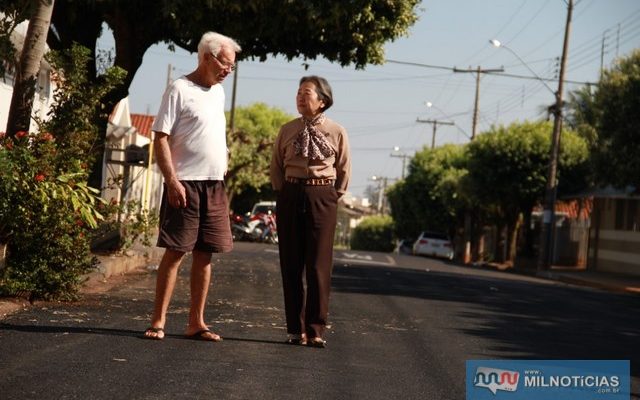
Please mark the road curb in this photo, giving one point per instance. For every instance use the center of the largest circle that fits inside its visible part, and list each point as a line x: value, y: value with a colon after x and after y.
x: 118, y: 264
x: 109, y: 266
x: 573, y: 280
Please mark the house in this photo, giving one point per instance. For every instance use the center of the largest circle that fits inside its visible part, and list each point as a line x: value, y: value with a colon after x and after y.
x: 614, y: 236
x: 129, y: 172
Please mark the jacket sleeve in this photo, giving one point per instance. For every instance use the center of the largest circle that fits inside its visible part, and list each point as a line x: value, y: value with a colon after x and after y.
x: 343, y: 164
x: 276, y: 169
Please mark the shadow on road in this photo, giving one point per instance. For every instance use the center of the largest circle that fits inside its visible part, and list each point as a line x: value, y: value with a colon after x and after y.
x: 112, y: 332
x: 534, y: 320
x: 69, y: 329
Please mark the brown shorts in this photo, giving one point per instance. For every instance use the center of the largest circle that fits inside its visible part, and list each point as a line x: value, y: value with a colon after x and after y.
x: 203, y: 225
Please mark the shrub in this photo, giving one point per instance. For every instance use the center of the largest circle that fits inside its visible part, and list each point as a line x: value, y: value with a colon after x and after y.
x: 46, y: 217
x: 47, y: 210
x: 124, y: 224
x: 374, y: 233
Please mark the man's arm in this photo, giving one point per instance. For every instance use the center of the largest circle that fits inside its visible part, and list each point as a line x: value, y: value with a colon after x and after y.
x: 175, y: 191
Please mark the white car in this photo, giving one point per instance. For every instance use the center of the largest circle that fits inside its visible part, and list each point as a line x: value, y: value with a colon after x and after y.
x: 433, y: 244
x: 263, y: 207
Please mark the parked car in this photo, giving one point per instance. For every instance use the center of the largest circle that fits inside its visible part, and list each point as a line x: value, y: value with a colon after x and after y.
x: 263, y: 207
x: 434, y: 244
x: 404, y: 246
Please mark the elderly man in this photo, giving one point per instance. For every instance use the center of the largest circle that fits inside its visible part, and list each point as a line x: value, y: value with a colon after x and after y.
x: 191, y: 150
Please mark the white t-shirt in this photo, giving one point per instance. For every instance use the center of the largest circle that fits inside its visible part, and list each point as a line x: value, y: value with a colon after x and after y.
x: 194, y: 118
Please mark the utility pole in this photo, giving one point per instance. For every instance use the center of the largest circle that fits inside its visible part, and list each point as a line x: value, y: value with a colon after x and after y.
x: 382, y: 187
x: 232, y: 112
x: 467, y: 216
x: 169, y: 69
x: 478, y: 72
x: 604, y: 38
x: 435, y: 123
x: 404, y: 161
x: 548, y: 217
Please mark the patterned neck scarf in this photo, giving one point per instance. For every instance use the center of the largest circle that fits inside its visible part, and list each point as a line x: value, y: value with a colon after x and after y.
x: 311, y: 143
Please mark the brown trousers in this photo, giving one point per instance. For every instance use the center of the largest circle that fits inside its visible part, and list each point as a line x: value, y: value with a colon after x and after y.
x: 306, y: 217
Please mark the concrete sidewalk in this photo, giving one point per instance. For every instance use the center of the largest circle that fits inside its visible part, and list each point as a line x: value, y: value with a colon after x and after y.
x: 608, y: 281
x: 612, y: 282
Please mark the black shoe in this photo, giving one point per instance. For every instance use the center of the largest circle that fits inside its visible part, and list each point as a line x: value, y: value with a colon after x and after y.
x: 297, y: 340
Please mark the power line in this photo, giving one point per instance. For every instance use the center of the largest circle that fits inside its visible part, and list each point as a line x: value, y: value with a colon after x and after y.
x: 541, y: 79
x: 415, y: 64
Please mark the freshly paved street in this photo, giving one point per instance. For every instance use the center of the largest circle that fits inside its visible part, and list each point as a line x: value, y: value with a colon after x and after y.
x: 401, y: 327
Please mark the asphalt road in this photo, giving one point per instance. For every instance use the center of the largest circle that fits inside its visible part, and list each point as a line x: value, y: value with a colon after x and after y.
x: 401, y: 327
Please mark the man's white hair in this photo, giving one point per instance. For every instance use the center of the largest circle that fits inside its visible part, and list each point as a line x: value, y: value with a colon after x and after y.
x: 212, y: 42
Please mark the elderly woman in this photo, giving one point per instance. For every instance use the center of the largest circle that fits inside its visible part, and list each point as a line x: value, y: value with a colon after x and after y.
x: 310, y: 170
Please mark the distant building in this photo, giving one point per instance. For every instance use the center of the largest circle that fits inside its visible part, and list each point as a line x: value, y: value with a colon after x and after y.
x: 614, y: 237
x: 129, y: 171
x: 351, y: 211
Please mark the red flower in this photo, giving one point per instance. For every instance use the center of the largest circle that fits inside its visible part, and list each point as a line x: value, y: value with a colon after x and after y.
x: 39, y: 177
x: 21, y: 134
x: 46, y: 136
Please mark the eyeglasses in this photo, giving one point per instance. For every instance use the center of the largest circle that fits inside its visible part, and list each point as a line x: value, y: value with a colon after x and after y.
x: 228, y: 66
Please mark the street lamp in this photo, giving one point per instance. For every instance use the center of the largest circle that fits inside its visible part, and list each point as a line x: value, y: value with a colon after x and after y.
x: 402, y: 155
x: 497, y: 43
x: 430, y: 105
x: 546, y: 256
x: 434, y: 123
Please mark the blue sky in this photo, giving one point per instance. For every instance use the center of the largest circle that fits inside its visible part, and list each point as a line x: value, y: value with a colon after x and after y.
x: 379, y: 106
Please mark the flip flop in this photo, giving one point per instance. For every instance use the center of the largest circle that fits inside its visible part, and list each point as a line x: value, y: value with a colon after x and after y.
x: 157, y: 331
x: 317, y: 342
x: 202, y: 335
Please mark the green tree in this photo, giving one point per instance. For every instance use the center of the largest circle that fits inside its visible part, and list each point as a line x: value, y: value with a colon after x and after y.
x: 608, y: 117
x: 250, y: 146
x: 507, y: 172
x: 342, y: 32
x: 429, y: 198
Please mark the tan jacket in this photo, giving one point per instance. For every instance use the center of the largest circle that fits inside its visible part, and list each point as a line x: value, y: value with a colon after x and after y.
x: 286, y: 164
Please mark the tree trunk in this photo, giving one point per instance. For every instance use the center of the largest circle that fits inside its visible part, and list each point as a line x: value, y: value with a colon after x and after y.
x: 529, y: 237
x: 499, y: 243
x: 24, y: 89
x: 512, y: 234
x: 3, y: 254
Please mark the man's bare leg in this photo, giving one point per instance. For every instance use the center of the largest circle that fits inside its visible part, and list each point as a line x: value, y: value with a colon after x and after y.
x: 165, y: 283
x: 200, y: 279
